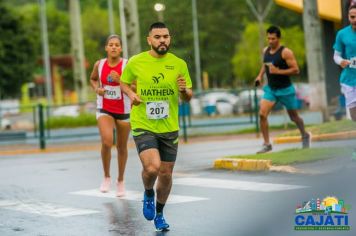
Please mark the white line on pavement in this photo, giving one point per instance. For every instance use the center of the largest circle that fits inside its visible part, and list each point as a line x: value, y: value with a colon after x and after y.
x: 237, y: 185
x: 42, y: 208
x: 137, y: 196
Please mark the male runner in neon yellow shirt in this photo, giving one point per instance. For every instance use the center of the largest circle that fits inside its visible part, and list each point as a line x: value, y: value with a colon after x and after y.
x: 162, y: 78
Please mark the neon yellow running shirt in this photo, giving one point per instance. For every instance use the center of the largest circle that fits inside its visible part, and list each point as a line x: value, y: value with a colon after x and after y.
x: 158, y: 89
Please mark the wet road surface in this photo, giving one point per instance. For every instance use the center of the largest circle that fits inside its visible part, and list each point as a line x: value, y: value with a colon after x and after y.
x: 57, y: 194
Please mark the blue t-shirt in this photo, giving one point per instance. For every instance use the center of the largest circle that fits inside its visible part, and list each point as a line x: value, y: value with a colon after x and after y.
x: 345, y: 43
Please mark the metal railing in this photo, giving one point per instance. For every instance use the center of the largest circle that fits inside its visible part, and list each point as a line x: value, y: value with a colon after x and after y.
x: 187, y: 122
x: 38, y: 117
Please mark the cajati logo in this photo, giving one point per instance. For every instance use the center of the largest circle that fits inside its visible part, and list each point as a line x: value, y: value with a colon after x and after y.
x: 329, y: 213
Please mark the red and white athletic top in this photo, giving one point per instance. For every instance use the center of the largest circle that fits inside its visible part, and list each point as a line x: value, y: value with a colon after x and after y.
x: 114, y: 100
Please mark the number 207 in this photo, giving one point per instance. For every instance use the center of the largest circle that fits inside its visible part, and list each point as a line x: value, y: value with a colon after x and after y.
x: 156, y: 111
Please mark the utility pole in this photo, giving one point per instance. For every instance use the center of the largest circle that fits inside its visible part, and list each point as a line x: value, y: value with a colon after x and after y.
x: 129, y: 24
x: 196, y: 46
x: 125, y: 52
x: 260, y: 13
x: 46, y: 61
x: 111, y: 17
x: 315, y: 60
x: 80, y: 82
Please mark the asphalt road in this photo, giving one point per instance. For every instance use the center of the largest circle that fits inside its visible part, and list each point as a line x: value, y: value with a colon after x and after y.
x: 57, y: 194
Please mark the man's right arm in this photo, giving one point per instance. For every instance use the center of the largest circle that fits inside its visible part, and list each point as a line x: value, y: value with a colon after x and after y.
x: 127, y: 79
x: 94, y: 80
x: 339, y: 60
x: 258, y: 80
x: 126, y: 88
x: 339, y: 47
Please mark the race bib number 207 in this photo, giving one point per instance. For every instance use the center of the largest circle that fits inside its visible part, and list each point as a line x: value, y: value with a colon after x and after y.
x: 157, y: 110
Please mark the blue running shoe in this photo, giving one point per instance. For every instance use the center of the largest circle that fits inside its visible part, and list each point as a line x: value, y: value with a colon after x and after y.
x: 149, y: 208
x: 160, y: 223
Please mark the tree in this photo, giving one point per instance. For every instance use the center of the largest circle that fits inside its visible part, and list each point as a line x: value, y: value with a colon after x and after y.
x: 95, y: 31
x: 219, y: 23
x: 58, y: 34
x: 246, y: 61
x: 284, y: 17
x: 17, y: 54
x: 94, y: 17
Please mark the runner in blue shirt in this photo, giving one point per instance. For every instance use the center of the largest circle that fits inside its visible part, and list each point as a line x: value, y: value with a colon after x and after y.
x: 345, y: 56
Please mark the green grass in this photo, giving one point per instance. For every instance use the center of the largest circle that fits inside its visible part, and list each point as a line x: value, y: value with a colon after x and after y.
x: 83, y: 120
x: 291, y: 129
x: 287, y: 126
x: 325, y: 128
x: 252, y: 130
x: 294, y: 156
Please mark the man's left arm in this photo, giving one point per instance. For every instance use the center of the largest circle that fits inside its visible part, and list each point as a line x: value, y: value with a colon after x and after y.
x: 184, y: 93
x: 184, y: 83
x: 289, y: 57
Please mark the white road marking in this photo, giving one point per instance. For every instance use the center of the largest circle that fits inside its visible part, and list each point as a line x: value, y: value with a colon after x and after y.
x: 41, y: 208
x: 137, y: 196
x: 234, y: 184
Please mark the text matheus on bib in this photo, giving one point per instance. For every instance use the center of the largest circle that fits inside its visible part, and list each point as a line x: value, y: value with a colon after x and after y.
x: 158, y: 89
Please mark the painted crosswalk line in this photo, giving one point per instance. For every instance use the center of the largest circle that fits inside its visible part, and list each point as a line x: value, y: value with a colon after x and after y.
x: 137, y: 196
x: 236, y: 185
x: 46, y: 209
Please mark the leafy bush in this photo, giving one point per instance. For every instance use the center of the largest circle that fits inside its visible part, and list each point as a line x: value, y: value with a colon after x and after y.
x: 83, y: 120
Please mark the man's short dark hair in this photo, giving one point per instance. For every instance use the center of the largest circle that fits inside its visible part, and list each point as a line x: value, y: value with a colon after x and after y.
x: 274, y: 30
x: 352, y: 6
x: 157, y: 25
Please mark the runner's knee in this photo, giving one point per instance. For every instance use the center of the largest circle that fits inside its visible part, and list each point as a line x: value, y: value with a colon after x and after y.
x: 121, y: 151
x: 263, y: 116
x: 353, y: 117
x: 353, y: 113
x: 295, y: 119
x: 107, y: 143
x: 167, y: 175
x: 151, y: 170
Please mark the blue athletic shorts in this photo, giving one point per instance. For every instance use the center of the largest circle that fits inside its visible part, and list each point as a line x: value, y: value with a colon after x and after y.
x: 286, y: 96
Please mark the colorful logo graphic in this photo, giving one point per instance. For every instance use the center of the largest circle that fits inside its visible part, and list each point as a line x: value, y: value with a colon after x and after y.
x: 109, y: 79
x: 156, y: 79
x: 329, y: 213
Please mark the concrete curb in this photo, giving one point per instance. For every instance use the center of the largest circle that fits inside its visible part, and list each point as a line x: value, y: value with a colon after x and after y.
x: 242, y: 164
x: 252, y: 165
x: 318, y: 137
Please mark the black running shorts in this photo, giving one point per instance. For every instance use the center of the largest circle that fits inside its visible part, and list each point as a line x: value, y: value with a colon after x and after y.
x: 123, y: 117
x: 165, y: 143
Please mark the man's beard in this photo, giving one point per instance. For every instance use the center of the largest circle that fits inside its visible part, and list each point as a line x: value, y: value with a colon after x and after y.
x: 161, y: 51
x: 272, y: 45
